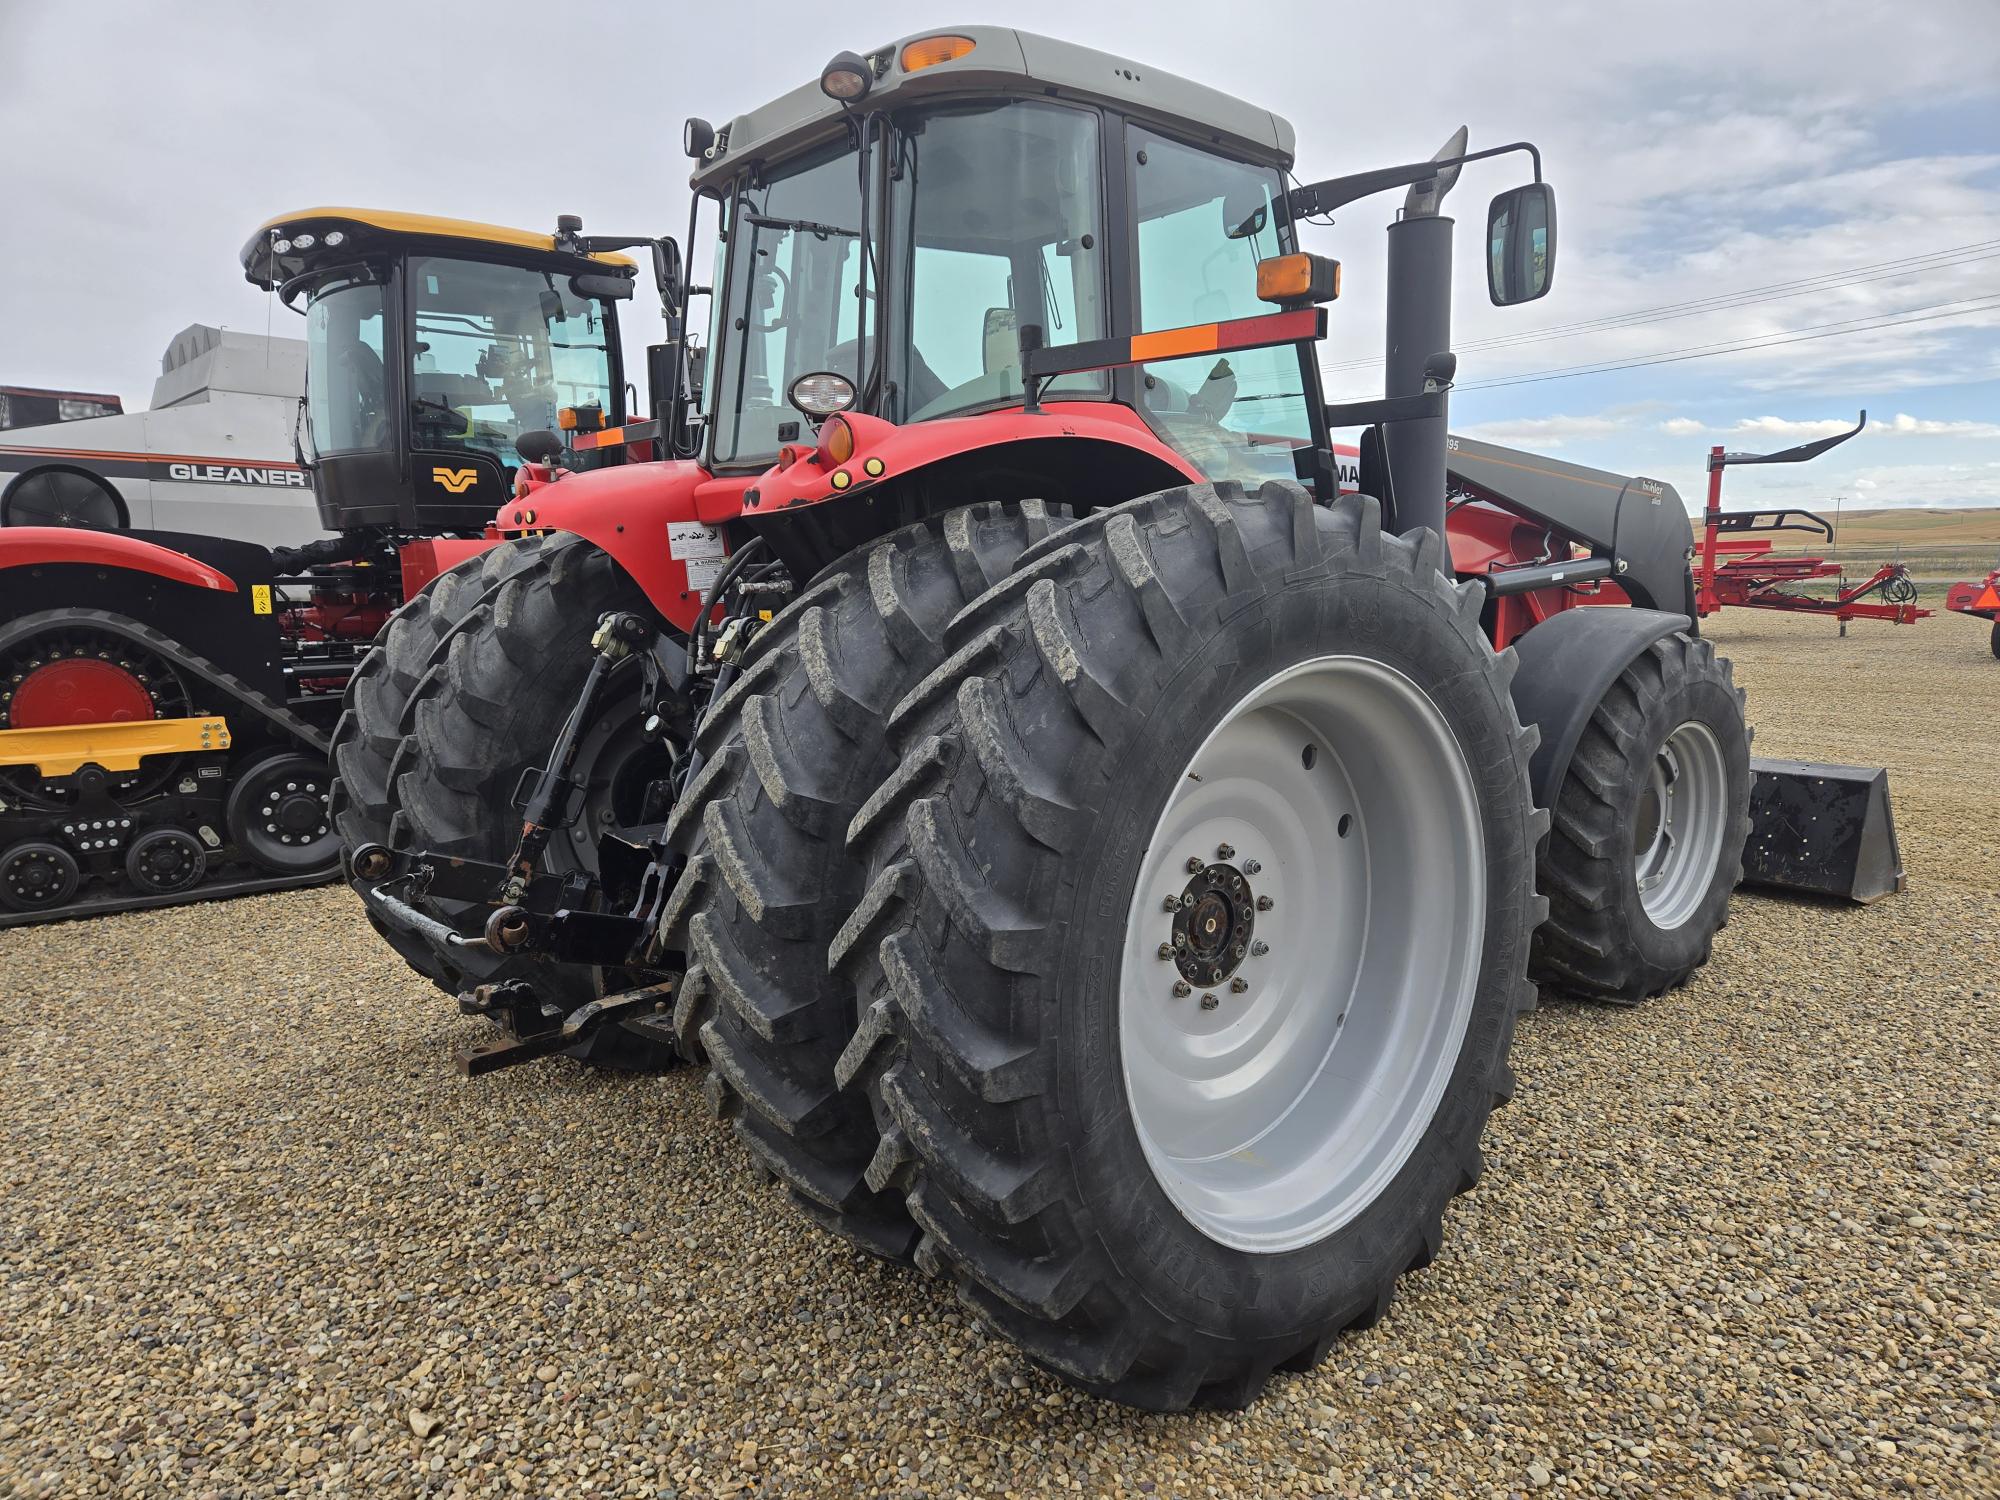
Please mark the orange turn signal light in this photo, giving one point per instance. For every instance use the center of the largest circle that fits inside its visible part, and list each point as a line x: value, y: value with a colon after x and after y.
x: 836, y: 442
x: 932, y: 50
x: 1298, y: 278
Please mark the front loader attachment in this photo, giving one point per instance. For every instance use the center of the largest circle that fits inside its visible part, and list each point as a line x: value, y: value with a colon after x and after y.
x: 1825, y: 830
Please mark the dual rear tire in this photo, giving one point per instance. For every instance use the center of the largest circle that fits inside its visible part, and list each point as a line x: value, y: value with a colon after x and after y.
x: 1161, y: 1198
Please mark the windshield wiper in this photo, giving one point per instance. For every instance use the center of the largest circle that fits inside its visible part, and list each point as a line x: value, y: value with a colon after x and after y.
x: 802, y: 226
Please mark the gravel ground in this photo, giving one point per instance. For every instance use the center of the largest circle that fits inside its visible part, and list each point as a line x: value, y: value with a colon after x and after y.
x: 257, y: 1237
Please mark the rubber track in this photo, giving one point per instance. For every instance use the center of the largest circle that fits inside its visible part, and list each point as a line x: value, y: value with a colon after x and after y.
x: 238, y: 695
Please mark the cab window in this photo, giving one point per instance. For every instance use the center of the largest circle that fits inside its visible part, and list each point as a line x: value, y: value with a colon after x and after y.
x: 1203, y: 224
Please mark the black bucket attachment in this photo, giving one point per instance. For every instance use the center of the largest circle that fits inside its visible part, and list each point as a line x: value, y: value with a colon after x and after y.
x: 1822, y: 829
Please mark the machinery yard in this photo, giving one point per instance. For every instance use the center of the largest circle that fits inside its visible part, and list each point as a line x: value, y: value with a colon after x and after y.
x: 257, y: 1237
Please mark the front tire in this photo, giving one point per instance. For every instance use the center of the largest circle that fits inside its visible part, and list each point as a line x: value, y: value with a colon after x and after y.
x: 1027, y: 1023
x: 1646, y: 846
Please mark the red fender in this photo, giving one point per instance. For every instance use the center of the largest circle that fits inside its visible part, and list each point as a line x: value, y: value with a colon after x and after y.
x: 28, y: 546
x: 884, y: 451
x: 658, y: 519
x: 627, y: 511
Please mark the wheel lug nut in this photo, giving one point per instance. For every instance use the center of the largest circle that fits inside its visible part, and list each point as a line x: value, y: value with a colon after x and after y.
x: 1182, y: 989
x: 1194, y: 864
x: 1209, y: 1002
x: 1238, y: 985
x: 1265, y: 903
x: 1225, y: 851
x: 1172, y: 903
x: 1259, y: 948
x: 1251, y: 867
x: 1166, y: 950
x: 1187, y: 900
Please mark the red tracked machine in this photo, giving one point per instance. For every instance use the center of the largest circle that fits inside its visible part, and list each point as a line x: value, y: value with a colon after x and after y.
x: 166, y: 699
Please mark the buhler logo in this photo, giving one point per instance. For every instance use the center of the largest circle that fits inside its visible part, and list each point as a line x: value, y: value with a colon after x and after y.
x: 455, y: 481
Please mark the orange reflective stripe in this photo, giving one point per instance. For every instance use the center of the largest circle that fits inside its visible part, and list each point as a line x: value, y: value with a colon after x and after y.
x: 1174, y: 342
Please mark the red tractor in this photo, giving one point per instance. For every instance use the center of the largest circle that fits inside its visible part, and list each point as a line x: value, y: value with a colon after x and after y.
x: 1096, y: 859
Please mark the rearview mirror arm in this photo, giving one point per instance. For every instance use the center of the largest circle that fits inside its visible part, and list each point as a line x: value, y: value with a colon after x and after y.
x: 1337, y: 192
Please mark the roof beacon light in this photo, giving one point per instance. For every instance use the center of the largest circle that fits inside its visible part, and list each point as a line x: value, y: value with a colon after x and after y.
x: 847, y: 79
x: 929, y: 51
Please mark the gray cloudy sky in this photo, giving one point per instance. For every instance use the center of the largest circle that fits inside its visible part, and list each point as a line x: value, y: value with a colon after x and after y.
x: 1807, y: 165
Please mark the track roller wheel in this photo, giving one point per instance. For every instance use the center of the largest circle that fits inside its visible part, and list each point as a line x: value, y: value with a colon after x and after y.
x: 37, y: 876
x: 276, y: 814
x: 165, y: 860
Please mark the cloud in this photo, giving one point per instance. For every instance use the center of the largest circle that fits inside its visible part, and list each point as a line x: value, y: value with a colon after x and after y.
x: 1788, y: 429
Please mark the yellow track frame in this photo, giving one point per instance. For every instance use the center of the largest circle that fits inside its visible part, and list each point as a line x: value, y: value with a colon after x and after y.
x: 62, y: 750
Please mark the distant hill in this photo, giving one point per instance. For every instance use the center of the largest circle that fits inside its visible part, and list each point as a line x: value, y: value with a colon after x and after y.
x: 1911, y: 527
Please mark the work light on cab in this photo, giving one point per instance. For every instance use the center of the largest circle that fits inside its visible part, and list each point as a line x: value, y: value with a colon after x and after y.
x: 821, y: 394
x: 847, y: 79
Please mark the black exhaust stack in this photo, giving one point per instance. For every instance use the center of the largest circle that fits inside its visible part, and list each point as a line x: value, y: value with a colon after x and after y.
x: 1418, y: 329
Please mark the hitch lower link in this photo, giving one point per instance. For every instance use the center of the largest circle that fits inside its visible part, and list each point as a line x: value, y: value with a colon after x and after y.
x: 536, y: 1029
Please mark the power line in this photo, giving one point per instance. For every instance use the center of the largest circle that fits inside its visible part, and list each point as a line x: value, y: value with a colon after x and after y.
x: 1989, y: 303
x: 1915, y: 265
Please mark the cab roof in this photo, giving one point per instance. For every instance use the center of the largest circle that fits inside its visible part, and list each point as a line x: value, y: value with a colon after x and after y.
x: 362, y: 229
x: 1001, y: 62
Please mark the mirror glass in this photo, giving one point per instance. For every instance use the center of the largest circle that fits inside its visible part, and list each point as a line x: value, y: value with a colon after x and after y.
x: 1245, y: 211
x: 1521, y: 244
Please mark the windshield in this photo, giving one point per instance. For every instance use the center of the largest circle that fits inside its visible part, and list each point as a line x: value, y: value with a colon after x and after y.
x: 497, y: 351
x: 998, y: 218
x: 347, y: 400
x: 1204, y: 223
x: 796, y: 298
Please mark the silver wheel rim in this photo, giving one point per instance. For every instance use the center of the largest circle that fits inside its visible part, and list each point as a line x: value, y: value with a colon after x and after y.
x: 1677, y: 833
x: 1333, y: 808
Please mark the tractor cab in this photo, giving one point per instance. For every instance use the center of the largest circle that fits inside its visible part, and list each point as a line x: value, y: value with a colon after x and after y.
x: 433, y: 346
x: 888, y: 233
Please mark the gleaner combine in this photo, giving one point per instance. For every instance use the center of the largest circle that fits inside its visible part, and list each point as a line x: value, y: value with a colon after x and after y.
x: 1097, y: 859
x: 165, y: 697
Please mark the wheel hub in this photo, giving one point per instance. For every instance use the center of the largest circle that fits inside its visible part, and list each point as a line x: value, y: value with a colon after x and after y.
x: 1302, y: 952
x: 1214, y: 924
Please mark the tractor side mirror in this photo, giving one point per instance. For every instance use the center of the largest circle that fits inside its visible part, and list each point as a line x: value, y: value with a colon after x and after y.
x: 1521, y: 244
x: 539, y: 446
x: 1000, y: 340
x: 594, y: 284
x: 1245, y: 212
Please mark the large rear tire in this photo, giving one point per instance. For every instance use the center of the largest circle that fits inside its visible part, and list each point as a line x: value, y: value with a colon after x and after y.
x: 508, y: 646
x: 1290, y: 727
x: 791, y: 752
x: 1648, y: 830
x: 369, y: 732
